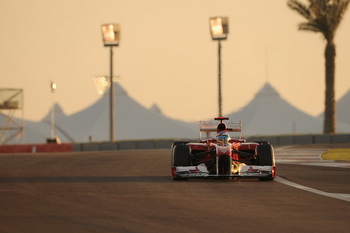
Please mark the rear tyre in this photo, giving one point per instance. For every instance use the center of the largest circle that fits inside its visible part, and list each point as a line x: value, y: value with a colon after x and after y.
x: 265, y: 157
x: 262, y: 142
x: 181, y: 156
x: 178, y: 143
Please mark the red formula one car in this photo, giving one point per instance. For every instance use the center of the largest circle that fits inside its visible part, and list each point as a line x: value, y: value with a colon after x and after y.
x: 218, y: 155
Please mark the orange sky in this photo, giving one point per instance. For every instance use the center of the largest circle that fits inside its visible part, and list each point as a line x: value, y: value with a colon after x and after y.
x: 166, y: 55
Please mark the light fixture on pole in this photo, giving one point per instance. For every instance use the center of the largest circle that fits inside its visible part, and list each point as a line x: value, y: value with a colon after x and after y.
x: 111, y: 37
x: 219, y: 31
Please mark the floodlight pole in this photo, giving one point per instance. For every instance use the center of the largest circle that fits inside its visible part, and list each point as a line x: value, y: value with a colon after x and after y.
x: 53, y: 128
x: 111, y: 36
x: 53, y: 121
x: 111, y: 97
x: 219, y: 31
x: 219, y: 79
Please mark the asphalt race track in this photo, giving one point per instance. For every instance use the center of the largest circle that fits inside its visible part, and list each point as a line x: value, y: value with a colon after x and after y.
x: 131, y: 191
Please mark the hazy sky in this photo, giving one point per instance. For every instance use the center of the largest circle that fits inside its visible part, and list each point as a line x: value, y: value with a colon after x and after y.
x: 166, y: 55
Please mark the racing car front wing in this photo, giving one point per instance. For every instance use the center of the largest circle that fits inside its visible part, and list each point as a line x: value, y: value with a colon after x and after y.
x: 201, y: 171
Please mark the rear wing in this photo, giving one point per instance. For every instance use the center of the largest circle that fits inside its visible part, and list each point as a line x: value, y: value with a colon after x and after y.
x: 208, y: 127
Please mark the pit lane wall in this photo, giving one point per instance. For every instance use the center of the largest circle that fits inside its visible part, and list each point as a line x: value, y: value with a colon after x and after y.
x: 166, y: 144
x: 126, y: 145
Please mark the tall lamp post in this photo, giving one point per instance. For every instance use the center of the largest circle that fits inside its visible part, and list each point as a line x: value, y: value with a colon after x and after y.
x: 53, y: 138
x: 111, y: 37
x: 219, y: 31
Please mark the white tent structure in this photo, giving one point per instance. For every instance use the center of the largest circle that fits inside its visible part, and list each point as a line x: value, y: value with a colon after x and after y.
x: 342, y: 114
x: 343, y: 109
x: 133, y: 121
x: 269, y: 114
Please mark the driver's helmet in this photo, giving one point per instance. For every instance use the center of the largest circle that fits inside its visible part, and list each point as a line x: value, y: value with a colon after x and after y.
x: 223, y: 137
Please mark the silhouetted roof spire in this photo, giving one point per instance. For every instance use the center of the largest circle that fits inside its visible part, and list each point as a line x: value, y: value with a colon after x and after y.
x: 267, y: 90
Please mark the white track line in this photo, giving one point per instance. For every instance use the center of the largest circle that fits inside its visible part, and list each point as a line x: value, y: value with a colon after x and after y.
x: 309, y: 157
x: 340, y: 196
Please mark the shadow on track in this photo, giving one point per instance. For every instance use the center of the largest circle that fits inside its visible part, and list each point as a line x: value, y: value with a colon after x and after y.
x: 87, y: 179
x: 111, y: 179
